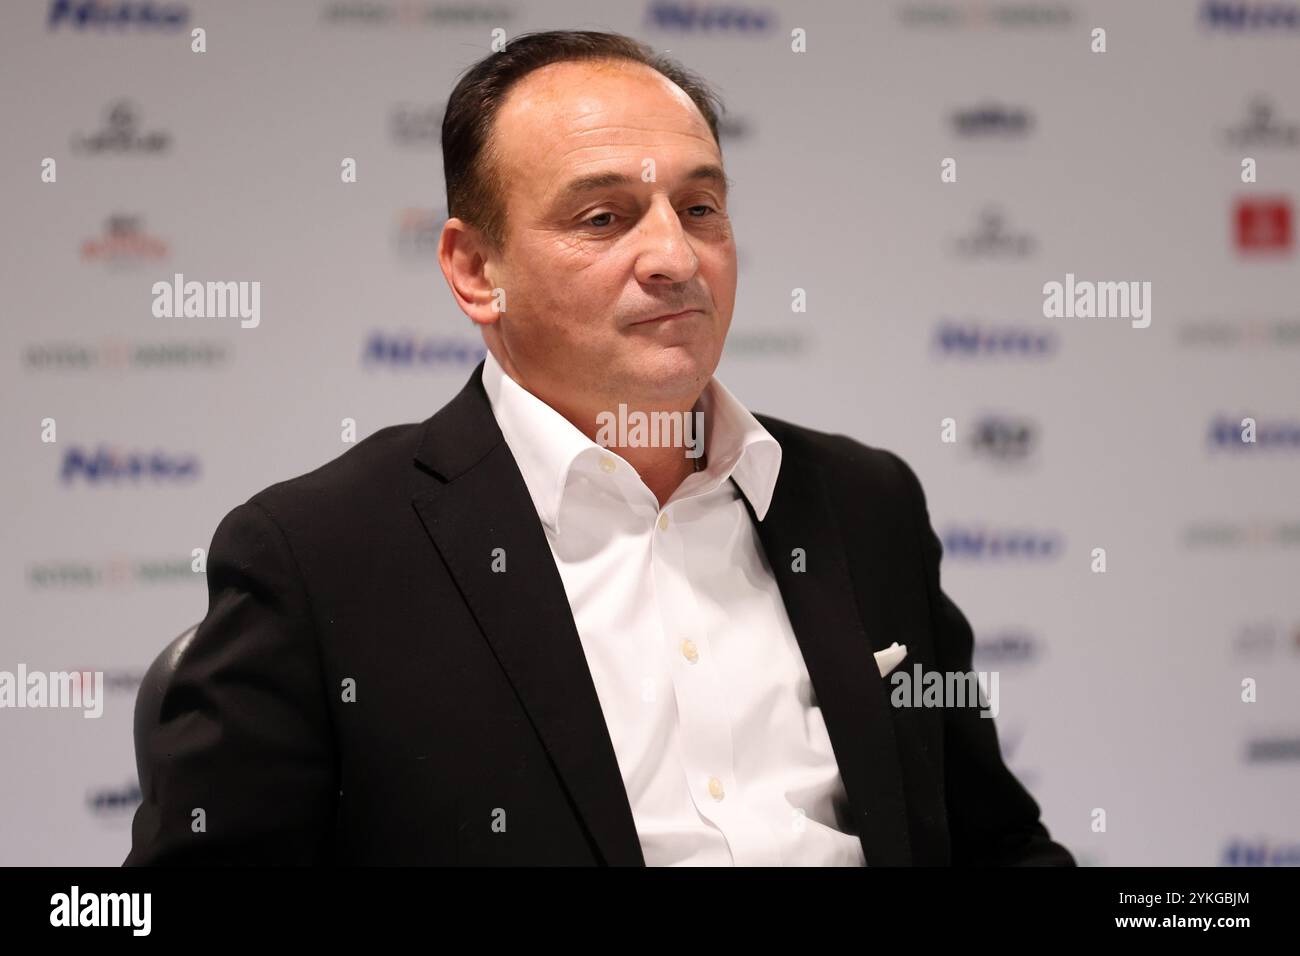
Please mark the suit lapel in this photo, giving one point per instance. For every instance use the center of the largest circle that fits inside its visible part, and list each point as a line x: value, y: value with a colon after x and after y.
x: 481, y: 503
x: 838, y: 654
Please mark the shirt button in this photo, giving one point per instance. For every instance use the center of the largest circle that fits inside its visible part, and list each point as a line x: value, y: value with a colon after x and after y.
x: 690, y: 651
x: 663, y: 521
x: 715, y: 788
x: 608, y: 464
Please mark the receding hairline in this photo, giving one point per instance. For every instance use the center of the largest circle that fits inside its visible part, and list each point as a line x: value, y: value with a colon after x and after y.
x: 608, y: 64
x: 491, y: 155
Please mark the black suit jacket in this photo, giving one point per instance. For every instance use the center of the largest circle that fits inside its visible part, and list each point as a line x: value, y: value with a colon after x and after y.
x: 471, y: 692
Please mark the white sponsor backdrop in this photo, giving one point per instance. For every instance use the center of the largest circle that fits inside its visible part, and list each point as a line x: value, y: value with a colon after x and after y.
x: 1119, y: 691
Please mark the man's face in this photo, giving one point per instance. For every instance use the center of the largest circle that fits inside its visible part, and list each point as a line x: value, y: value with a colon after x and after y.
x: 594, y: 253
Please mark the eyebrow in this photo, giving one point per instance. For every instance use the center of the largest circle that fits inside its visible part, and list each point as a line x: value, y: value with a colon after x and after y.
x: 708, y: 172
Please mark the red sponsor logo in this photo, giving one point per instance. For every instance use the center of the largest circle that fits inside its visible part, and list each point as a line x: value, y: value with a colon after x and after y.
x: 1264, y: 225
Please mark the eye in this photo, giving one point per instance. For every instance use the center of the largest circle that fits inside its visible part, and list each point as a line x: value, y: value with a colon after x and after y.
x: 591, y: 220
x: 707, y: 209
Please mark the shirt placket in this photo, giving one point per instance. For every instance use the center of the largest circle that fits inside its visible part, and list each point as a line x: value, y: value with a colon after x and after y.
x: 704, y: 718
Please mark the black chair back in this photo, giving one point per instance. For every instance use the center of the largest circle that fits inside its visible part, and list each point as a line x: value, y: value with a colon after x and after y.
x: 149, y: 699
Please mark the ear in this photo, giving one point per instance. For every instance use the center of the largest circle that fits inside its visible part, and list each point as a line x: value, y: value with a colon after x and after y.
x: 468, y: 264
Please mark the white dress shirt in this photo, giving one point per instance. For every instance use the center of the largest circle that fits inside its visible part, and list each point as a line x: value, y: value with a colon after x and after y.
x: 721, y: 744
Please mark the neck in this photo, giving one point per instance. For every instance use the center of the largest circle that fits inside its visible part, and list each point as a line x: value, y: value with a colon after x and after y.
x: 662, y: 466
x: 661, y: 469
x: 633, y: 431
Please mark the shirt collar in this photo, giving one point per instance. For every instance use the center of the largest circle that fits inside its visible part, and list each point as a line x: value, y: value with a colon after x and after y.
x: 546, y: 445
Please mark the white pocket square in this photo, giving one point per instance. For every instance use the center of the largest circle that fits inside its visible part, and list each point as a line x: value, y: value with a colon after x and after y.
x: 890, y: 657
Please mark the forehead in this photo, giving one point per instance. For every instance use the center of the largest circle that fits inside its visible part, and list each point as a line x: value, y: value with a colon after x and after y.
x: 566, y: 116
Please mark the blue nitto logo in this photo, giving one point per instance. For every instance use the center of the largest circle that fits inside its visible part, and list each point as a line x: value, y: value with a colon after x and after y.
x: 1250, y: 16
x: 111, y: 465
x: 971, y: 339
x: 708, y: 17
x: 979, y: 544
x: 104, y: 15
x: 1247, y: 434
x: 114, y: 801
x: 1261, y: 852
x: 993, y: 120
x: 1006, y: 647
x: 402, y: 350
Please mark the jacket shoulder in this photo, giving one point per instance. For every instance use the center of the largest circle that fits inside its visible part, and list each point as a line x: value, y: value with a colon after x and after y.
x: 845, y: 460
x: 371, y: 471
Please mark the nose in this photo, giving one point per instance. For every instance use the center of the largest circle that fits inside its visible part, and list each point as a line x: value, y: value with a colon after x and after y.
x: 665, y: 253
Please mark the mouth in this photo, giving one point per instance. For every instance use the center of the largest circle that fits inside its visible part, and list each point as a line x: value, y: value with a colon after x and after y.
x: 669, y: 317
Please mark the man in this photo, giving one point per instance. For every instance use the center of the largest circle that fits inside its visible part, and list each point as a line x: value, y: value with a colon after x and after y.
x: 517, y: 634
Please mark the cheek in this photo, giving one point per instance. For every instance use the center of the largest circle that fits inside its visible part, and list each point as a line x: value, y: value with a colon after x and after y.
x: 719, y: 270
x: 572, y: 255
x: 565, y: 300
x: 586, y: 284
x: 567, y: 269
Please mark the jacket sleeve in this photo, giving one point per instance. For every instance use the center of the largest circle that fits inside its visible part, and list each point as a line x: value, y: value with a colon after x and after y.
x: 240, y: 766
x: 992, y: 819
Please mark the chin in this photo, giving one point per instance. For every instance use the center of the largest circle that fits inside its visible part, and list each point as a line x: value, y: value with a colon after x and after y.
x: 669, y: 372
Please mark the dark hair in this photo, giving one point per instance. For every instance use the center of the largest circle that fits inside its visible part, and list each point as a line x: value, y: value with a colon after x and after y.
x: 473, y: 186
